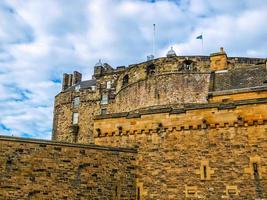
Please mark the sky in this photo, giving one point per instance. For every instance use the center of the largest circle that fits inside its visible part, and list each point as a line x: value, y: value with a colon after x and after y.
x: 40, y: 40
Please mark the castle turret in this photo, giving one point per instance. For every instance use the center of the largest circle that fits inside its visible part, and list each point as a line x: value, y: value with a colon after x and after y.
x: 218, y: 61
x: 98, y: 69
x: 171, y: 53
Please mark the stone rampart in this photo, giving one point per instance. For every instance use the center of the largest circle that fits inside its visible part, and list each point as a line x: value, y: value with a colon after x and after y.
x: 37, y: 169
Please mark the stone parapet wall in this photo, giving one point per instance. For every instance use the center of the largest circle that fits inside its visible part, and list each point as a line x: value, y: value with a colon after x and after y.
x: 37, y: 169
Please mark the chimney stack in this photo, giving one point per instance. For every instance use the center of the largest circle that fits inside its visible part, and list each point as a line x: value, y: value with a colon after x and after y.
x: 77, y: 77
x: 71, y: 79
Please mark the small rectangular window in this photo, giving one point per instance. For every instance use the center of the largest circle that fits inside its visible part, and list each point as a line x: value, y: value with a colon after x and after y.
x: 77, y: 88
x: 104, y: 99
x: 108, y: 84
x: 103, y: 111
x: 76, y: 102
x: 75, y: 117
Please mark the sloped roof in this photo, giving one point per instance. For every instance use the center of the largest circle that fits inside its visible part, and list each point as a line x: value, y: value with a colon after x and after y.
x: 83, y: 85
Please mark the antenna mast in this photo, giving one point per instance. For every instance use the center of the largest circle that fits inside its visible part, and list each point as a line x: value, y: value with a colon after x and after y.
x: 154, y: 39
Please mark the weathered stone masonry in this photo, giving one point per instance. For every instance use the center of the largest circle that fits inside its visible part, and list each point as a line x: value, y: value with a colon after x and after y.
x: 187, y: 127
x: 199, y: 123
x: 213, y: 151
x: 37, y: 169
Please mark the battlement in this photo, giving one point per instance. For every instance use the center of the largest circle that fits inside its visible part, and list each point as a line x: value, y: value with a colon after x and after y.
x: 190, y: 117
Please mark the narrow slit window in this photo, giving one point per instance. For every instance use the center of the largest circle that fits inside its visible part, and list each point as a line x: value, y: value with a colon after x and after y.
x: 116, y: 191
x: 138, y: 194
x: 205, y: 171
x: 255, y: 169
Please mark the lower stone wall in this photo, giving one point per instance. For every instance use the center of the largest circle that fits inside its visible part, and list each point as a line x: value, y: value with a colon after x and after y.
x: 36, y: 169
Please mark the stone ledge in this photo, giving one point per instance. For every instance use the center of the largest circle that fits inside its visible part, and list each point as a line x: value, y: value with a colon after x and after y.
x: 236, y: 91
x: 186, y: 127
x: 57, y: 143
x: 187, y: 107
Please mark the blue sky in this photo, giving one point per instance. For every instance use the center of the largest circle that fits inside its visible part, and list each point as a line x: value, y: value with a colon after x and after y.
x: 40, y: 40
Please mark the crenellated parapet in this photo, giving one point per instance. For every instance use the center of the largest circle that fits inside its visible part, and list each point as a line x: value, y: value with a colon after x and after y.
x: 241, y: 113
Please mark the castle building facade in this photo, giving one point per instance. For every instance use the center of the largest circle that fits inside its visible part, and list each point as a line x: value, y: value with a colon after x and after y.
x: 170, y: 128
x: 199, y: 122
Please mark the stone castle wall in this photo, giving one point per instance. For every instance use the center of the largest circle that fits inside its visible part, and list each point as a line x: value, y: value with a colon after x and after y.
x: 163, y: 89
x: 89, y: 106
x: 167, y: 81
x: 210, y: 151
x: 36, y: 169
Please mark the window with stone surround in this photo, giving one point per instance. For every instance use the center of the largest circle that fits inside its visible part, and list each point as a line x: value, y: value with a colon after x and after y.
x: 75, y: 118
x: 104, y: 99
x: 76, y: 102
x: 77, y: 88
x: 103, y: 111
x: 108, y: 84
x: 125, y: 80
x: 151, y: 69
x: 188, y: 65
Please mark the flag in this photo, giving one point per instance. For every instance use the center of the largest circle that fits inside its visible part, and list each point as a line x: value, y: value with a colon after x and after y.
x: 200, y: 37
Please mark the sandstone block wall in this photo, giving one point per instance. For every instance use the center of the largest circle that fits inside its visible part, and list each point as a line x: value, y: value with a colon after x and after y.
x: 205, y: 153
x: 63, y: 111
x: 164, y: 89
x: 35, y: 169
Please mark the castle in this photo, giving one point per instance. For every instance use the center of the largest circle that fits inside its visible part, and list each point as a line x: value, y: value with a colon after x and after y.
x: 176, y: 127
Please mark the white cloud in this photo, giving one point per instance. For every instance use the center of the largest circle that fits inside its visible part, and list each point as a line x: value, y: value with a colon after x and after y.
x: 40, y: 40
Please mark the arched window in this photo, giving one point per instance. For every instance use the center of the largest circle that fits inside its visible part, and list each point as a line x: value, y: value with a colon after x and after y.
x: 150, y: 69
x: 188, y: 65
x: 125, y: 80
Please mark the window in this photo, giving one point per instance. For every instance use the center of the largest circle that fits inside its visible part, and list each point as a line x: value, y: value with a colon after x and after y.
x: 188, y: 65
x: 138, y: 194
x: 93, y: 88
x: 108, y: 84
x: 125, y: 80
x: 103, y: 111
x: 205, y: 171
x: 75, y: 117
x: 151, y: 69
x: 104, y: 99
x: 76, y: 102
x: 77, y: 88
x: 255, y: 169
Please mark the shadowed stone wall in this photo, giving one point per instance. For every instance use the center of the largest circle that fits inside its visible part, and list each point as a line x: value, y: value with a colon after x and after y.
x: 36, y: 169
